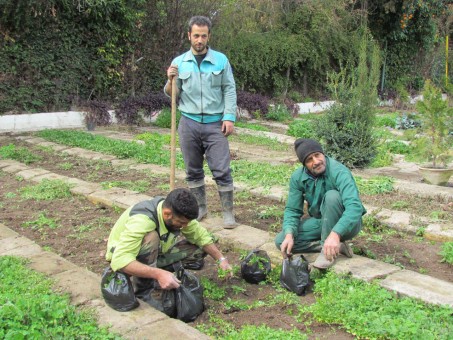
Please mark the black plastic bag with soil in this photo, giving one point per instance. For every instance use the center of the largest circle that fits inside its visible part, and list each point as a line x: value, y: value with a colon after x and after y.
x: 189, y: 296
x: 295, y: 276
x: 150, y: 292
x: 256, y: 266
x: 117, y: 291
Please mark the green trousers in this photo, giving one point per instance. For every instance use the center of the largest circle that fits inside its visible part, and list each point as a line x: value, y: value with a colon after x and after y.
x: 312, y: 232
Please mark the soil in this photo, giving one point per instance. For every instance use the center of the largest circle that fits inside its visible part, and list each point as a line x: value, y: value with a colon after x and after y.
x: 83, y: 229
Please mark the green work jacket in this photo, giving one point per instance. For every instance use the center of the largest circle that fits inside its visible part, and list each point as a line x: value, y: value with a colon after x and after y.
x: 128, y: 232
x: 303, y: 186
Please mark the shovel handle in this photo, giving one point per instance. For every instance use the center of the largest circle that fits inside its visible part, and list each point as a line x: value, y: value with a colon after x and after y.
x: 173, y: 134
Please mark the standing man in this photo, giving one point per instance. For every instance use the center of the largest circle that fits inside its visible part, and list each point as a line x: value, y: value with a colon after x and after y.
x: 207, y: 101
x: 154, y: 234
x: 334, y: 207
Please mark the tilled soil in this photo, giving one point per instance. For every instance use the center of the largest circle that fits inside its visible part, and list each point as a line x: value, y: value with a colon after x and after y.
x: 82, y: 229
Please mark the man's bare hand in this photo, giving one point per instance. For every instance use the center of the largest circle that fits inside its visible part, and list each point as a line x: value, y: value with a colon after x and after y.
x: 227, y: 127
x: 172, y: 71
x: 167, y: 280
x: 332, y: 246
x: 287, y: 245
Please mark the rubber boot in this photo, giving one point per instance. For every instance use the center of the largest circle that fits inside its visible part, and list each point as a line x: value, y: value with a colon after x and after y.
x: 226, y: 198
x: 198, y: 189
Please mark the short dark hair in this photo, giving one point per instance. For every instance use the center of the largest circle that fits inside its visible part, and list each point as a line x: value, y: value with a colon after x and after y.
x: 182, y: 203
x: 200, y: 21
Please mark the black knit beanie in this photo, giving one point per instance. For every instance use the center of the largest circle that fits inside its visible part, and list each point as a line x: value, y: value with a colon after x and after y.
x: 305, y: 147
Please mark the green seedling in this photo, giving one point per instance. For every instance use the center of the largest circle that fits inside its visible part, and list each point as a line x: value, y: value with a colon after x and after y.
x: 400, y: 205
x: 139, y: 185
x: 238, y: 289
x: 66, y: 166
x: 41, y: 223
x: 211, y: 290
x: 10, y: 195
x: 19, y: 154
x: 447, y: 252
x: 46, y: 190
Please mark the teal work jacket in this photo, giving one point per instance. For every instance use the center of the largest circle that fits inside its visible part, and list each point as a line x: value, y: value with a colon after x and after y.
x: 303, y: 186
x: 206, y: 94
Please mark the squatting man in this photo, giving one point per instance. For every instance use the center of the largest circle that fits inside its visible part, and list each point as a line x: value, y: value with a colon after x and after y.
x: 151, y: 236
x: 334, y: 207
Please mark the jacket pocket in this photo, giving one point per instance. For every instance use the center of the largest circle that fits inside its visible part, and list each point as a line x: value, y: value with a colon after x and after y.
x: 216, y: 78
x: 186, y: 80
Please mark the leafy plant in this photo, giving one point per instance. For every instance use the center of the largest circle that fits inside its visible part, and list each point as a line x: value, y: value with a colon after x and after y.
x: 447, y: 252
x: 374, y: 185
x: 46, y: 190
x: 264, y: 332
x: 30, y: 310
x: 435, y: 115
x: 369, y: 311
x: 19, y: 154
x: 163, y: 120
x: 279, y: 113
x: 66, y: 166
x: 301, y: 129
x: 96, y: 113
x: 211, y: 290
x: 250, y: 126
x: 253, y: 103
x: 139, y: 185
x: 407, y: 121
x: 41, y: 222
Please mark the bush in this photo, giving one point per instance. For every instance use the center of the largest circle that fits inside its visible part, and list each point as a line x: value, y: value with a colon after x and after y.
x: 96, y: 112
x: 131, y: 110
x: 256, y: 104
x: 386, y: 120
x: 279, y: 113
x: 301, y: 129
x: 405, y: 122
x: 164, y: 118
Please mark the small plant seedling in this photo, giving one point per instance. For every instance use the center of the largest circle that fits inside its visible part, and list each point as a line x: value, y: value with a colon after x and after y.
x: 46, y: 190
x: 447, y: 252
x: 10, y: 195
x: 41, y: 223
x: 66, y: 166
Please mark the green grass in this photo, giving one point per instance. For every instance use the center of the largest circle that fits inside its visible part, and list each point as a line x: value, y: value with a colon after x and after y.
x: 19, y: 154
x: 271, y: 143
x: 369, y: 311
x: 30, y: 310
x: 46, y: 190
x: 139, y: 185
x: 447, y: 252
x: 41, y: 222
x: 375, y: 185
x: 250, y: 126
x: 263, y: 332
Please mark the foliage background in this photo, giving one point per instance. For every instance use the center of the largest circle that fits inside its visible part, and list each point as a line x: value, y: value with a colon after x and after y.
x: 56, y: 53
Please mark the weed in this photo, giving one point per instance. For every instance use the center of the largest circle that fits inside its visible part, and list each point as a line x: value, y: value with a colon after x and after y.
x: 420, y: 231
x: 46, y: 190
x: 438, y: 215
x: 374, y: 185
x: 301, y: 129
x: 211, y: 290
x: 279, y: 113
x: 447, y: 252
x: 369, y: 311
x: 139, y: 185
x: 263, y: 332
x: 238, y: 289
x: 19, y: 154
x: 30, y: 310
x: 41, y: 222
x: 254, y: 127
x: 422, y: 270
x: 270, y: 143
x: 10, y: 195
x: 231, y: 304
x: 224, y: 274
x: 271, y: 212
x: 66, y: 166
x: 400, y: 205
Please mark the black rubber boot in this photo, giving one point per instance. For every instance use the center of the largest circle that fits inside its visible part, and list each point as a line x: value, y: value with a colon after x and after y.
x: 200, y: 194
x: 226, y: 198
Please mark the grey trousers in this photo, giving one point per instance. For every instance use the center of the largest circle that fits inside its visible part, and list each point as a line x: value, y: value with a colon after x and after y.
x: 198, y: 140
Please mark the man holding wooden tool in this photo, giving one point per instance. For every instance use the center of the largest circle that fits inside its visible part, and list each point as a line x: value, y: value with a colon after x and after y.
x: 207, y: 100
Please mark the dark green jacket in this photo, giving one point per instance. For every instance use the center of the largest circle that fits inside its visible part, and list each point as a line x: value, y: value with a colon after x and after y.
x: 303, y: 186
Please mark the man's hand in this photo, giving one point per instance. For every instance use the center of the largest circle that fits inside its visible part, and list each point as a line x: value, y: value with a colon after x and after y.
x: 167, y: 280
x: 227, y: 127
x: 287, y: 245
x: 332, y: 246
x: 172, y: 71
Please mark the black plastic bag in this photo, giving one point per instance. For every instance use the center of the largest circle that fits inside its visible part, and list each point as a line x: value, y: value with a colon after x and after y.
x: 295, y: 276
x: 189, y: 296
x: 117, y: 291
x: 256, y: 266
x: 161, y: 299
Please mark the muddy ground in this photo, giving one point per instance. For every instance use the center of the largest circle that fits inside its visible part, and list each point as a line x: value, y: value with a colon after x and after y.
x: 82, y: 229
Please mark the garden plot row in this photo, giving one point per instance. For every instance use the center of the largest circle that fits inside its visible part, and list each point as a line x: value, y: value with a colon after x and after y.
x: 361, y: 265
x: 400, y: 220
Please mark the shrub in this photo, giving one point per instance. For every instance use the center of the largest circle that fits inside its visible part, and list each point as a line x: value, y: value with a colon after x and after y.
x: 279, y: 113
x: 163, y: 120
x: 131, y: 110
x: 96, y: 112
x: 386, y: 120
x: 254, y: 103
x: 346, y: 127
x: 301, y: 129
x: 407, y: 121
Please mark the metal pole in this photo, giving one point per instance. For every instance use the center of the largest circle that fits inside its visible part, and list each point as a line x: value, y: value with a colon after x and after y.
x: 173, y: 134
